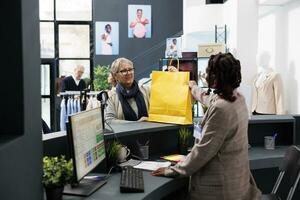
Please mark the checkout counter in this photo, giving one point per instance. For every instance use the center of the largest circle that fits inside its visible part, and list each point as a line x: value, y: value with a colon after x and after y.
x: 163, y: 140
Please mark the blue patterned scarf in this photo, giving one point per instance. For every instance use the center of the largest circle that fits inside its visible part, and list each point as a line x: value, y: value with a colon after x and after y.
x: 135, y: 93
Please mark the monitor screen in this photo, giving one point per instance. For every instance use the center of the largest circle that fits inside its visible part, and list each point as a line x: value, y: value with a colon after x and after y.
x: 86, y: 138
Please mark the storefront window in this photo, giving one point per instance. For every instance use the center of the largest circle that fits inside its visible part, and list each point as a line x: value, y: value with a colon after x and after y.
x: 75, y: 10
x: 47, y: 39
x: 74, y: 41
x: 46, y: 110
x: 45, y: 79
x: 66, y: 67
x: 46, y: 10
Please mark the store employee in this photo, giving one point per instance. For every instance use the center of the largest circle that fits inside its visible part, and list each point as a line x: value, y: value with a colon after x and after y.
x: 129, y: 101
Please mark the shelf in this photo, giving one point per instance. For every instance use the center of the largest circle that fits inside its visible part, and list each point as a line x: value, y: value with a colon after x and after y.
x: 133, y: 128
x: 261, y: 119
x: 180, y: 59
x: 186, y: 59
x: 261, y: 158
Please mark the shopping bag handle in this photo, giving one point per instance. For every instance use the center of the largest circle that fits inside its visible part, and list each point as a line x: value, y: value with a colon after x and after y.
x: 172, y: 61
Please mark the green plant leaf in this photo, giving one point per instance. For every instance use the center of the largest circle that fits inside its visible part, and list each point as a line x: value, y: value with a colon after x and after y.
x: 184, y: 136
x: 57, y: 171
x: 100, y: 77
x: 113, y: 149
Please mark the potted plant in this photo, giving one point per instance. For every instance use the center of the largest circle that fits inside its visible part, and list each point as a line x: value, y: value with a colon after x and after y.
x: 100, y: 77
x: 184, y: 137
x: 113, y: 149
x: 57, y: 172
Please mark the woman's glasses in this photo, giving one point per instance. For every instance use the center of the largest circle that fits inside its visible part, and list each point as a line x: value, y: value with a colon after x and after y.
x: 126, y: 71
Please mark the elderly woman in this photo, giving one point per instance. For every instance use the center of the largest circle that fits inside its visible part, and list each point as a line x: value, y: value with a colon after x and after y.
x: 218, y: 162
x: 129, y: 102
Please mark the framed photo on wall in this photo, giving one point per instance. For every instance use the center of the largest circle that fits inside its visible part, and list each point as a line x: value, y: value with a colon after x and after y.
x: 139, y: 21
x: 107, y: 38
x: 173, y: 48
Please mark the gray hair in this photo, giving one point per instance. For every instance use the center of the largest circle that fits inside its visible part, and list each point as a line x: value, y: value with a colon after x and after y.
x: 115, y: 66
x: 79, y: 67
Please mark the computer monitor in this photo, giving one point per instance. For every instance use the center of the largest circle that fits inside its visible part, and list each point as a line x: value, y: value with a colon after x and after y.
x: 86, y: 141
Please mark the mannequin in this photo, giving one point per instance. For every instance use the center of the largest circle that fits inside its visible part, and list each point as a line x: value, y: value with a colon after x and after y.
x: 267, y: 88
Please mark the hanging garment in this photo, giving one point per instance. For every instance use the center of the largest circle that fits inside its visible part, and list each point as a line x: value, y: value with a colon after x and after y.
x: 69, y: 109
x: 78, y: 105
x: 63, y: 115
x: 95, y: 103
x: 72, y: 107
x: 89, y: 104
x: 75, y: 106
x: 92, y: 103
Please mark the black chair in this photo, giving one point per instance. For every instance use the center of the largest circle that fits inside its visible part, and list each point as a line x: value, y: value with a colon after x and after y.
x: 290, y: 171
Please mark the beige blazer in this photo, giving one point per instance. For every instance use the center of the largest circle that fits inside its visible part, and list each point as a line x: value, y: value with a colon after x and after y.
x: 267, y: 97
x: 219, y: 164
x: 114, y: 111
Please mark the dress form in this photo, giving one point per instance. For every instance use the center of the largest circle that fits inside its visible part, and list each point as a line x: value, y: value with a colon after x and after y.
x: 263, y: 75
x: 268, y: 89
x: 264, y: 69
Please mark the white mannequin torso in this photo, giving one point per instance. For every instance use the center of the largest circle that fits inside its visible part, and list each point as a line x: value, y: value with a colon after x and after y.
x: 267, y: 97
x: 263, y: 75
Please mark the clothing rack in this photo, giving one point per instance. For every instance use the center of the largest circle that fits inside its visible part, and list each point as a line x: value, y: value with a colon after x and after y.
x: 68, y: 93
x: 68, y: 106
x: 93, y: 92
x: 81, y: 95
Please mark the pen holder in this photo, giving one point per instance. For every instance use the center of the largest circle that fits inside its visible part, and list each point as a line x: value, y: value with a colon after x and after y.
x: 144, y: 152
x: 269, y: 142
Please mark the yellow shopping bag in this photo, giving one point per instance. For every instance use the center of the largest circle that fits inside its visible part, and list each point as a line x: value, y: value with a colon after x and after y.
x: 170, y: 98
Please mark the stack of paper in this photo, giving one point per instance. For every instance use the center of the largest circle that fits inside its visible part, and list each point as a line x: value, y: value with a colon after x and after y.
x: 174, y: 157
x: 130, y: 162
x: 152, y: 165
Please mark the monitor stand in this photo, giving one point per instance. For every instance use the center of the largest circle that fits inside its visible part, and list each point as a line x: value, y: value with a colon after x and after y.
x: 85, y: 187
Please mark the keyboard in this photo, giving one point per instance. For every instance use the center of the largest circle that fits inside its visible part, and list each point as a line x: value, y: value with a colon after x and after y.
x: 131, y: 180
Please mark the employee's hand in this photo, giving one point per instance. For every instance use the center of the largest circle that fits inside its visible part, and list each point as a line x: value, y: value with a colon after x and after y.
x: 142, y: 119
x: 159, y: 172
x: 192, y: 83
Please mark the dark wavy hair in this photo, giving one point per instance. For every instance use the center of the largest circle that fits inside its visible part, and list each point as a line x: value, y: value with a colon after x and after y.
x: 224, y: 73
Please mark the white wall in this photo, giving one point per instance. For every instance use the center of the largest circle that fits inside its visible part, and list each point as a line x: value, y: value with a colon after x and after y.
x: 241, y: 20
x: 247, y: 37
x: 230, y: 19
x: 199, y: 22
x: 201, y: 17
x: 277, y: 30
x: 279, y: 33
